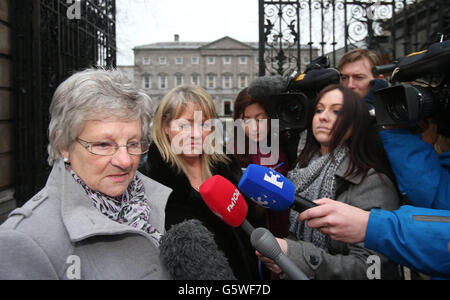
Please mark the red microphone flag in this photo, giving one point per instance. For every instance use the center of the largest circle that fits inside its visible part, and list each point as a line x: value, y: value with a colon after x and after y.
x: 225, y: 200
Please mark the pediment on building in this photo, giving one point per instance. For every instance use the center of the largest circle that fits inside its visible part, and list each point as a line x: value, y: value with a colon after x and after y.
x: 228, y: 44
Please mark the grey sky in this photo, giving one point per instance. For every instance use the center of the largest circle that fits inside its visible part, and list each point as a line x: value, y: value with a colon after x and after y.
x: 141, y: 22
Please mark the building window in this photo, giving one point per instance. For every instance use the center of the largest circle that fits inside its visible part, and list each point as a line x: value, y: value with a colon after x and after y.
x: 226, y: 60
x: 227, y: 108
x: 178, y: 60
x: 163, y: 60
x: 194, y: 60
x: 227, y: 81
x: 211, y: 81
x: 243, y: 81
x: 243, y: 60
x: 195, y: 79
x: 210, y: 60
x: 163, y: 82
x: 146, y: 82
x: 306, y: 60
x: 146, y: 60
x: 179, y: 79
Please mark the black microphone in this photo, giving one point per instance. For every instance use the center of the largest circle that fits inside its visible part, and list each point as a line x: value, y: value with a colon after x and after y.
x: 301, y: 204
x: 189, y: 252
x: 377, y: 70
x: 266, y: 244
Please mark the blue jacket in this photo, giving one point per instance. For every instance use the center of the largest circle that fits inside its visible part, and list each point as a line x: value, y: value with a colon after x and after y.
x: 422, y: 175
x: 417, y: 237
x: 412, y: 236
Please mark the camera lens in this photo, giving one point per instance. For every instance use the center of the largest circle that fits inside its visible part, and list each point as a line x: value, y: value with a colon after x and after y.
x: 291, y: 111
x: 398, y: 110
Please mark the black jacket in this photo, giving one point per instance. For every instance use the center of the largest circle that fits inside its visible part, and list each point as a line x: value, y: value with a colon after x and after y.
x: 186, y: 203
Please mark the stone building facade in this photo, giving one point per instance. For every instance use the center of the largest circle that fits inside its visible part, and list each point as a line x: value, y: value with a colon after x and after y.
x: 223, y: 67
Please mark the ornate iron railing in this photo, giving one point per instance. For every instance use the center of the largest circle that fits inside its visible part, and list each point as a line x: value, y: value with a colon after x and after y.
x: 51, y: 40
x: 290, y: 28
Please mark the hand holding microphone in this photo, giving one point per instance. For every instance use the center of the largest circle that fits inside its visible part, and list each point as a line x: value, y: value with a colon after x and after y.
x: 266, y: 244
x: 270, y: 189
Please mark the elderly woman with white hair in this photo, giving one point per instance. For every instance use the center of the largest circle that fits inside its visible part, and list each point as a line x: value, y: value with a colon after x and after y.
x: 97, y: 217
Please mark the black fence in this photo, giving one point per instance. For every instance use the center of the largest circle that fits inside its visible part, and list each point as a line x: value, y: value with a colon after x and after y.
x: 292, y: 32
x: 51, y: 40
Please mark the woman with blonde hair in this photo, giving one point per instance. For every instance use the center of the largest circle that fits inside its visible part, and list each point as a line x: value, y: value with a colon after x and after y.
x: 187, y: 150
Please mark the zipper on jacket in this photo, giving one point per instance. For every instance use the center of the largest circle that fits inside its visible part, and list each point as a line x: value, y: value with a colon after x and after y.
x: 441, y: 219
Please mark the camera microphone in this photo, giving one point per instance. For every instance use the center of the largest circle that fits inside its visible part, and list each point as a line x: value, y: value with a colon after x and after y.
x: 383, y: 69
x: 266, y: 86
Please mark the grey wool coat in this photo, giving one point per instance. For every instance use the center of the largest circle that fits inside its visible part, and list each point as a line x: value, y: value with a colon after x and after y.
x: 58, y: 234
x: 351, y: 261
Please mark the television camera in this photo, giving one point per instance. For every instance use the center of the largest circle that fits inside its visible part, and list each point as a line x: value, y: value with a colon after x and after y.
x: 421, y: 89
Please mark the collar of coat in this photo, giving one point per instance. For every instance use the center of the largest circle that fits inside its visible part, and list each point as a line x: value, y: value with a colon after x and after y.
x: 82, y: 220
x: 343, y: 167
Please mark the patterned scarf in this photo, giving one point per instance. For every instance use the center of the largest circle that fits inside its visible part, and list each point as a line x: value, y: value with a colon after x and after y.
x: 314, y: 182
x: 131, y: 208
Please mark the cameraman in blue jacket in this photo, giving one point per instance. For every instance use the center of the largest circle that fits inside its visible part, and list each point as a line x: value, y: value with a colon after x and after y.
x: 418, y: 236
x: 414, y: 236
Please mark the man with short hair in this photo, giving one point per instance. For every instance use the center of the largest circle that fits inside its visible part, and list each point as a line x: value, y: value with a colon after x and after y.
x: 356, y: 70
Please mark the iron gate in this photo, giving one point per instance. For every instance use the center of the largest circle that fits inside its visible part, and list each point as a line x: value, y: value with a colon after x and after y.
x: 290, y: 30
x: 51, y: 40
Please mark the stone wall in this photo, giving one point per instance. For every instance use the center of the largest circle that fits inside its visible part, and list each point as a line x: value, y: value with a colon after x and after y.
x: 7, y: 202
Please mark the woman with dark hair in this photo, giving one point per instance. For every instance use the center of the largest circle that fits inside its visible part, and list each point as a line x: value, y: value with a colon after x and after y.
x: 353, y: 126
x: 343, y: 159
x: 255, y: 127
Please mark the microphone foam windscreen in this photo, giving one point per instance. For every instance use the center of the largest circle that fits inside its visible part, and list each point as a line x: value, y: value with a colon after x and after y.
x: 189, y: 252
x: 266, y: 86
x: 267, y: 188
x: 225, y: 200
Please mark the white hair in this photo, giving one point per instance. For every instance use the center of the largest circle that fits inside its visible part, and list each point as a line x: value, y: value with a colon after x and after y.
x: 93, y: 94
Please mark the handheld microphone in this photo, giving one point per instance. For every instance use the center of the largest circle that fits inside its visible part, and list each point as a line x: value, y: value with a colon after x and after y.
x: 189, y: 252
x: 226, y: 202
x: 266, y: 244
x: 270, y: 189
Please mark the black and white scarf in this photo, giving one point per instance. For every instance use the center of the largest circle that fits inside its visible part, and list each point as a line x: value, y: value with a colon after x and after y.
x: 131, y: 208
x: 313, y: 182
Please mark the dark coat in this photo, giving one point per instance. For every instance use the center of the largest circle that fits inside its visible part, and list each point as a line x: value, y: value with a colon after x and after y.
x: 186, y: 203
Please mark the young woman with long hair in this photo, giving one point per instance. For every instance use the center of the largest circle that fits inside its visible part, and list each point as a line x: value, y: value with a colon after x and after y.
x: 343, y: 159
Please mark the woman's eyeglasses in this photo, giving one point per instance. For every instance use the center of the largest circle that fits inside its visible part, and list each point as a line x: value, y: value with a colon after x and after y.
x: 109, y: 148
